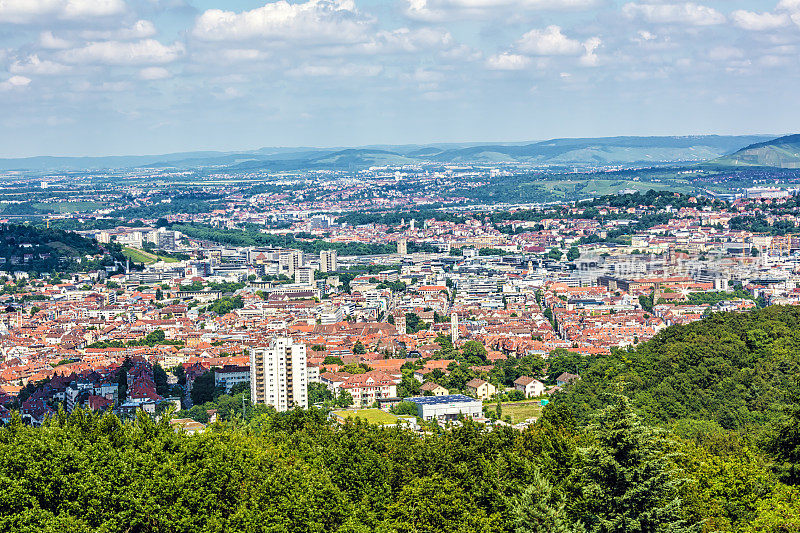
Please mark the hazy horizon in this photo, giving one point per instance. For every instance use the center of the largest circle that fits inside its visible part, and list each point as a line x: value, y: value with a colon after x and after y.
x: 377, y: 144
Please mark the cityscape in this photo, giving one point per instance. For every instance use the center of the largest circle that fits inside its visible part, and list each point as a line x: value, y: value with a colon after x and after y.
x: 424, y: 266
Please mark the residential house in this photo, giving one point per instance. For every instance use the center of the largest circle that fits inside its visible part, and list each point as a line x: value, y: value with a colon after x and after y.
x: 483, y: 390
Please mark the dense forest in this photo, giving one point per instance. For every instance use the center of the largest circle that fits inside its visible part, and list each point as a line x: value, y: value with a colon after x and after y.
x: 734, y: 369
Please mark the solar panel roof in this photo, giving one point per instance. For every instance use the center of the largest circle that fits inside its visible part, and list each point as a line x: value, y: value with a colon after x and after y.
x: 434, y: 400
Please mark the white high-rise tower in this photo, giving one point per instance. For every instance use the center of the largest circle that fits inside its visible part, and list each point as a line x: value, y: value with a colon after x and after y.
x: 278, y: 374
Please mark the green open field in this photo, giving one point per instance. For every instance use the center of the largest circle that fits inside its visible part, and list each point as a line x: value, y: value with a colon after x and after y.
x: 140, y: 256
x: 373, y: 416
x: 521, y: 411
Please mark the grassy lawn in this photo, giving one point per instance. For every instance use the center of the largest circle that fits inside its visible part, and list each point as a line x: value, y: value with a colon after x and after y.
x: 521, y: 411
x: 373, y: 416
x: 140, y: 256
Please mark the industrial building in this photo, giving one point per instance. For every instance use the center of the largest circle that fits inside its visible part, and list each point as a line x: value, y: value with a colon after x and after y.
x: 447, y: 407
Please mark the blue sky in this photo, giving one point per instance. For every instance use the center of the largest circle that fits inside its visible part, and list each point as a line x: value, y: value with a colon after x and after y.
x: 97, y: 77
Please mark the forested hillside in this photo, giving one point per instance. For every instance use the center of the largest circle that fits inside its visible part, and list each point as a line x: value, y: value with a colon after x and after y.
x: 28, y: 248
x: 735, y: 369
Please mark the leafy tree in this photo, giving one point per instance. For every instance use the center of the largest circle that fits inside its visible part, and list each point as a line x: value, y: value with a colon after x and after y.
x: 344, y: 399
x: 405, y: 408
x: 784, y: 444
x: 541, y: 509
x: 474, y: 352
x: 630, y: 485
x: 573, y: 253
x: 203, y: 388
x: 359, y: 348
x: 318, y: 393
x: 160, y: 379
x: 154, y: 337
x: 180, y: 373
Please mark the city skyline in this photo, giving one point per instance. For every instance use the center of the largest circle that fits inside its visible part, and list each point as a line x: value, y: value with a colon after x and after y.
x: 112, y: 77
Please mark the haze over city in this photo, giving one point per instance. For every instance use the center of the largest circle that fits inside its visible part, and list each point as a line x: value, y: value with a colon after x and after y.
x: 100, y: 77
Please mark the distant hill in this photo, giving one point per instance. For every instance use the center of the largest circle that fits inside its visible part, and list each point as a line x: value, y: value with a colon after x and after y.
x: 783, y: 152
x: 604, y: 151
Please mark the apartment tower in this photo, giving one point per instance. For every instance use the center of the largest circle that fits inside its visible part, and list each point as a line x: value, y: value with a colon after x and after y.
x: 278, y: 375
x: 328, y: 261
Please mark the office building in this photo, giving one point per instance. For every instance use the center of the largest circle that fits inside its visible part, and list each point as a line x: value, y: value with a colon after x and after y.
x: 289, y: 261
x: 402, y: 246
x: 278, y: 374
x: 328, y: 261
x: 304, y: 276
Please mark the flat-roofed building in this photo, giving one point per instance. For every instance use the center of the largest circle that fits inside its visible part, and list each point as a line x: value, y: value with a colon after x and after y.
x: 448, y: 407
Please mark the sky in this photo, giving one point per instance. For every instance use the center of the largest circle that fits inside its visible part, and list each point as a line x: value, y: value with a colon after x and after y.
x: 103, y: 77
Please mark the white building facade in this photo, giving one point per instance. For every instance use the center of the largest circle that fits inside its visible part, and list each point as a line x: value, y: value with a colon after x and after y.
x: 278, y: 374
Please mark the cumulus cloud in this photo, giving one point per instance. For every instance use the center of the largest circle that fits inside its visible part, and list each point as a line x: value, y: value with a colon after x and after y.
x: 141, y: 29
x: 548, y: 42
x: 315, y: 21
x: 689, y: 13
x: 792, y: 7
x: 508, y: 61
x: 14, y: 82
x: 33, y: 65
x: 442, y: 10
x: 749, y: 20
x: 590, y: 57
x: 407, y: 40
x: 148, y: 51
x: 49, y: 41
x: 27, y: 11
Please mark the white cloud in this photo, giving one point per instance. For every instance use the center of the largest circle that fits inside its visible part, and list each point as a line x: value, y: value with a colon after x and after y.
x: 442, y: 10
x: 14, y: 82
x: 548, y: 42
x: 50, y: 42
x: 154, y: 73
x: 406, y: 40
x: 33, y: 65
x: 590, y: 57
x: 789, y: 5
x: 312, y: 22
x: 148, y: 51
x: 792, y: 7
x: 141, y: 29
x: 508, y: 61
x: 347, y: 71
x: 688, y: 13
x: 27, y: 11
x: 749, y: 20
x: 645, y: 35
